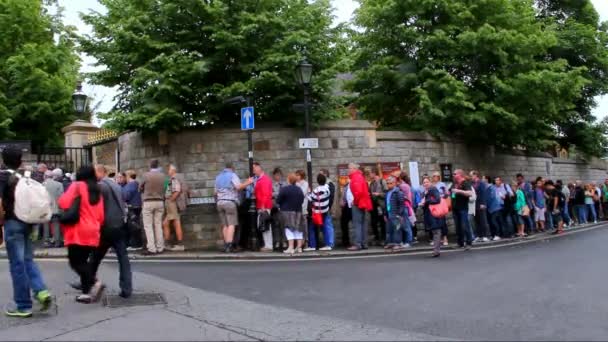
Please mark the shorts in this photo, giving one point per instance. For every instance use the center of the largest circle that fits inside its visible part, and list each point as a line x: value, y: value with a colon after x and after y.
x: 228, y: 213
x: 171, y: 212
x: 557, y: 218
x: 539, y: 214
x: 519, y: 219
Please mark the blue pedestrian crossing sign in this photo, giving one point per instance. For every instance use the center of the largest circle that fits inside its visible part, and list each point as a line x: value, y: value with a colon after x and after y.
x: 247, y: 118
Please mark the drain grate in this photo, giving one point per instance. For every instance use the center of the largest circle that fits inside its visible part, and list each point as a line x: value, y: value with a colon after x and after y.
x: 136, y: 299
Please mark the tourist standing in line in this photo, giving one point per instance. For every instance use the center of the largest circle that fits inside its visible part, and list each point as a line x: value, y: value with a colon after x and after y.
x: 173, y: 191
x: 362, y: 203
x: 506, y: 198
x: 481, y: 207
x: 328, y: 223
x: 278, y: 233
x: 590, y: 203
x: 407, y: 233
x: 302, y: 183
x: 495, y: 211
x: 377, y: 187
x: 555, y: 205
x: 443, y: 191
x: 25, y: 274
x: 526, y: 187
x: 394, y: 214
x: 580, y: 208
x: 565, y: 211
x: 346, y: 204
x: 83, y: 237
x: 263, y: 202
x: 597, y: 198
x: 605, y: 199
x: 114, y: 232
x: 152, y: 189
x: 227, y: 187
x: 132, y: 197
x: 520, y: 202
x: 290, y: 199
x: 461, y: 192
x: 319, y: 199
x: 55, y: 190
x: 539, y: 206
x: 432, y: 223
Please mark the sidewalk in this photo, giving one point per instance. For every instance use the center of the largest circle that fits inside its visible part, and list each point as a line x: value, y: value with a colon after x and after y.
x: 60, y: 253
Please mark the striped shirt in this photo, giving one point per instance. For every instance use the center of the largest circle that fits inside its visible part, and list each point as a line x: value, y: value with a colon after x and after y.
x: 320, y: 199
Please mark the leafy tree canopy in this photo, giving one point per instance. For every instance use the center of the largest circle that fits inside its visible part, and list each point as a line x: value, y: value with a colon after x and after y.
x: 176, y: 61
x: 38, y: 71
x: 488, y: 71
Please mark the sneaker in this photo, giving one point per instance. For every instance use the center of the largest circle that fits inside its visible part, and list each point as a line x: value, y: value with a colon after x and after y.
x: 431, y: 243
x: 134, y: 249
x: 298, y: 250
x: 476, y: 240
x: 496, y: 238
x: 289, y: 251
x: 594, y: 222
x: 84, y: 299
x: 445, y: 244
x: 326, y: 248
x: 177, y: 248
x: 266, y: 250
x: 405, y: 245
x: 18, y: 313
x: 45, y: 300
x: 309, y: 249
x: 467, y: 248
x: 485, y: 239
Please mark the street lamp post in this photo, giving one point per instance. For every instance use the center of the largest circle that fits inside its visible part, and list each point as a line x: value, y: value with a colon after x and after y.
x: 303, y: 74
x: 80, y: 99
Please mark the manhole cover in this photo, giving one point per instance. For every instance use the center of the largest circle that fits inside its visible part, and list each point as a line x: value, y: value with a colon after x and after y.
x: 136, y: 299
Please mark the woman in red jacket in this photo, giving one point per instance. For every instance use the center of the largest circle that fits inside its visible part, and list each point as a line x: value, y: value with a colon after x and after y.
x: 82, y: 238
x: 362, y: 203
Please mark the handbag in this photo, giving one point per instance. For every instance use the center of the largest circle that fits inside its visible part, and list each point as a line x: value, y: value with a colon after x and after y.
x: 317, y: 218
x: 71, y: 216
x: 525, y: 211
x: 439, y: 210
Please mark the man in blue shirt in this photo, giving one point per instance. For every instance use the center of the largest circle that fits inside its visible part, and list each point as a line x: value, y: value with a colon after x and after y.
x: 481, y: 207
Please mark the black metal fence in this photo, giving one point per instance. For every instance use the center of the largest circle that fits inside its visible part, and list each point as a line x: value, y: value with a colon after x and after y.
x: 69, y: 159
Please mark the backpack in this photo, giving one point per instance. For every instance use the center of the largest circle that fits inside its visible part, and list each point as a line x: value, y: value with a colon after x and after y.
x: 32, y: 201
x: 182, y: 199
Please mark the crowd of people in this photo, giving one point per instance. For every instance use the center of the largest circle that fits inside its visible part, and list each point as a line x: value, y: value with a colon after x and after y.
x: 291, y: 213
x: 88, y: 213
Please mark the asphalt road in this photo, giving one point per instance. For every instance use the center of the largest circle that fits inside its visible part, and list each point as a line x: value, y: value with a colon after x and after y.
x: 552, y: 290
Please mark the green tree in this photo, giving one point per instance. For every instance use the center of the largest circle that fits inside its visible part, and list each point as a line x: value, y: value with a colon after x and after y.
x: 476, y: 69
x: 38, y: 71
x: 583, y: 42
x: 175, y: 61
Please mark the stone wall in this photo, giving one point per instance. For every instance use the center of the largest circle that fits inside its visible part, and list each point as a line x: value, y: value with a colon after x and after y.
x: 200, y: 155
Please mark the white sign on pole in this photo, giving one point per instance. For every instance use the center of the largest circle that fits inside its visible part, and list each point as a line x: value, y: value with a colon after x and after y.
x: 414, y: 174
x: 309, y: 143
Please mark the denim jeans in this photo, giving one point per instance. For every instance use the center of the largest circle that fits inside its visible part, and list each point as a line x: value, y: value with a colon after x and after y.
x: 327, y: 229
x: 25, y: 274
x: 591, y: 209
x: 565, y: 214
x: 118, y: 241
x: 549, y: 220
x: 406, y: 231
x: 391, y: 233
x: 359, y: 227
x: 581, y: 213
x: 481, y: 223
x: 463, y: 228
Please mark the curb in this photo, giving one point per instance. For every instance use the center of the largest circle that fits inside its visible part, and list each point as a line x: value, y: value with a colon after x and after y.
x: 337, y: 254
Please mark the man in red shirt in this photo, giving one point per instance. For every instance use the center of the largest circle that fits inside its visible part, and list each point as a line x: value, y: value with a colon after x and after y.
x: 362, y: 203
x: 263, y: 202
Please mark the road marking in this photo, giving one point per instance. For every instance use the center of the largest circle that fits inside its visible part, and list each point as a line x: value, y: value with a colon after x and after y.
x: 368, y: 256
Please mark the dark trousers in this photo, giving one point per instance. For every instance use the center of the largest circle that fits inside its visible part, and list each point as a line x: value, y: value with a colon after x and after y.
x: 497, y: 223
x: 345, y: 218
x: 378, y: 220
x: 481, y: 223
x: 605, y: 210
x: 78, y: 257
x: 463, y: 227
x: 508, y: 229
x: 278, y: 230
x: 116, y: 239
x: 243, y: 230
x: 135, y: 227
